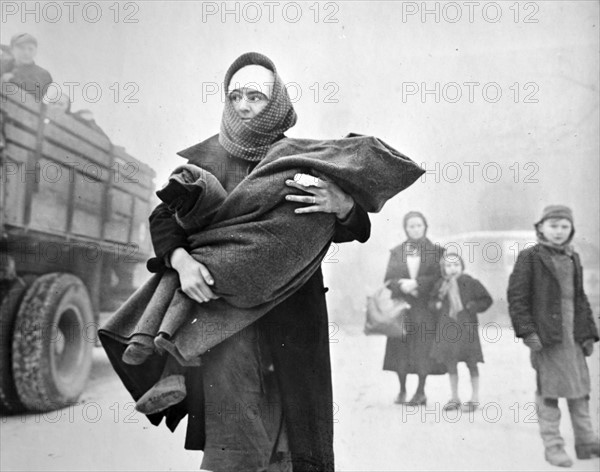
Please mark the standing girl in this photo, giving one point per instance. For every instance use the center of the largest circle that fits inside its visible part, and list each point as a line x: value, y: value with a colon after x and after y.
x: 551, y: 313
x: 457, y: 298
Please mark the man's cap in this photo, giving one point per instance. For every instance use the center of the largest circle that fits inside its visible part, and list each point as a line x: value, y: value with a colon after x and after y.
x: 22, y: 38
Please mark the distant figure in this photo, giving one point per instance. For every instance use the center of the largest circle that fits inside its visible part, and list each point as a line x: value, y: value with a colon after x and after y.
x: 550, y: 311
x: 30, y: 77
x: 413, y: 268
x: 457, y: 298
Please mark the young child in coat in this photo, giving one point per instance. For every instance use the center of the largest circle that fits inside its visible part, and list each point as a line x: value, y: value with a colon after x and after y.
x: 551, y: 313
x: 457, y: 298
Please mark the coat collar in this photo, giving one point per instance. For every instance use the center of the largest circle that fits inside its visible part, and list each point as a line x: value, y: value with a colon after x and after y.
x: 546, y: 258
x: 198, y: 153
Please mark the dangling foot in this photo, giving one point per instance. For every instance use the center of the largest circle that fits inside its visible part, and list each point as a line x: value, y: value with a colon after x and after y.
x: 136, y: 353
x: 418, y: 398
x: 400, y: 399
x: 587, y: 451
x: 556, y: 455
x: 165, y: 393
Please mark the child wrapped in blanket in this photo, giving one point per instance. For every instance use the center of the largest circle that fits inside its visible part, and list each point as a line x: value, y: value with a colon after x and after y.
x: 257, y: 250
x: 194, y: 196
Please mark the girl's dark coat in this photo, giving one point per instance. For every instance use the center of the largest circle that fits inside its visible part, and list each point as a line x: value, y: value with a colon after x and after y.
x: 534, y: 299
x: 458, y: 340
x: 296, y: 332
x: 412, y: 354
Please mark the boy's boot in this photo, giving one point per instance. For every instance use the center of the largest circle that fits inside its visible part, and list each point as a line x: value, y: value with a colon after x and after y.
x: 548, y: 415
x: 587, y: 444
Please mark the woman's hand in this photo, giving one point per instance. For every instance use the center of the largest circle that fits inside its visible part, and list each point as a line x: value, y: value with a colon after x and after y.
x: 588, y: 347
x: 408, y: 285
x: 194, y: 277
x: 325, y: 197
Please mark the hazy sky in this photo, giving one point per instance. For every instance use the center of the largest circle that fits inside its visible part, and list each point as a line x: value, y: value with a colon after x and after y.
x: 355, y: 65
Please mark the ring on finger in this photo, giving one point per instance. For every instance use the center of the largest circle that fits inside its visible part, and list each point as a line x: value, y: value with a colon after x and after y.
x: 314, y: 200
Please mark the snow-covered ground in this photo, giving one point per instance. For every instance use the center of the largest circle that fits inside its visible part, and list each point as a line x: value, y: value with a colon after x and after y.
x: 371, y: 433
x: 374, y: 434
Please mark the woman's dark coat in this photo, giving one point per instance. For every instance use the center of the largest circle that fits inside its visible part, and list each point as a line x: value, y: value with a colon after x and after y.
x: 458, y: 339
x: 412, y: 354
x: 296, y: 332
x: 534, y: 299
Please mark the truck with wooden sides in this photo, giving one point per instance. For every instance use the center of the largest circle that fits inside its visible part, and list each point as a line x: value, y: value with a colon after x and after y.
x: 73, y: 229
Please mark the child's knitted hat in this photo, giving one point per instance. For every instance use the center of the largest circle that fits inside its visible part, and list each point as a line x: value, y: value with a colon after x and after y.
x: 556, y: 211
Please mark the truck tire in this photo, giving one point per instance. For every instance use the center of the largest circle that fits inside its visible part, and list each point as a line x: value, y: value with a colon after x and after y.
x: 9, y: 304
x: 53, y: 342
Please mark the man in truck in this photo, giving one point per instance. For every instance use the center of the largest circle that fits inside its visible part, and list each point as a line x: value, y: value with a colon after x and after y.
x: 25, y: 73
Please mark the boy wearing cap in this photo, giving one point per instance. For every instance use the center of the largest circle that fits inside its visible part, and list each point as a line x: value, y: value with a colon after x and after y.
x: 30, y: 77
x: 551, y: 313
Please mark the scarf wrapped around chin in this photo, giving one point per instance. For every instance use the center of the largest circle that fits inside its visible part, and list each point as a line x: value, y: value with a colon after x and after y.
x: 450, y: 289
x: 252, y: 140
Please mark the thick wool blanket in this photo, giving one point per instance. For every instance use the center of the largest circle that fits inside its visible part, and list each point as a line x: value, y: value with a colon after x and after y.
x: 257, y: 249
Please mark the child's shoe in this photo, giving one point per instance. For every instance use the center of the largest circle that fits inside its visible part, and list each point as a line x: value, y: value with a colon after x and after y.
x: 453, y: 404
x: 556, y: 455
x: 470, y: 406
x: 587, y: 451
x: 136, y: 353
x: 165, y: 393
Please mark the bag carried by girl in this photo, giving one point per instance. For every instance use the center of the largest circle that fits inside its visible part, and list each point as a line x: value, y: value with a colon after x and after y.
x: 386, y: 315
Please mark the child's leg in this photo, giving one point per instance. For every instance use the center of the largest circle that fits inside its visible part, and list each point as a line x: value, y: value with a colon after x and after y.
x: 453, y: 374
x: 454, y: 402
x: 474, y: 373
x: 586, y: 440
x: 549, y: 421
x: 548, y: 415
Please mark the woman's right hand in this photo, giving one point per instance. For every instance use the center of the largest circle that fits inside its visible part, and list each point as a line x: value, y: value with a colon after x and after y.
x: 194, y: 277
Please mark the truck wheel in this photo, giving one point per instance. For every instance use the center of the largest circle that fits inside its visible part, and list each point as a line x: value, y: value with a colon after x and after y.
x: 52, y: 342
x: 9, y: 304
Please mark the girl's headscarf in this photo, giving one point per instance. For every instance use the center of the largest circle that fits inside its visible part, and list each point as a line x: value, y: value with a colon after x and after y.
x: 449, y: 287
x: 251, y: 140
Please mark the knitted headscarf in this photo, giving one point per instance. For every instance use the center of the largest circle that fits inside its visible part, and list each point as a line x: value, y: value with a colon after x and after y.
x: 449, y: 287
x: 251, y: 140
x: 415, y: 245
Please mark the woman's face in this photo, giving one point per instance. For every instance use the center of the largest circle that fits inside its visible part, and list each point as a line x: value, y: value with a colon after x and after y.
x: 556, y: 230
x: 452, y: 266
x: 248, y: 102
x: 415, y: 228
